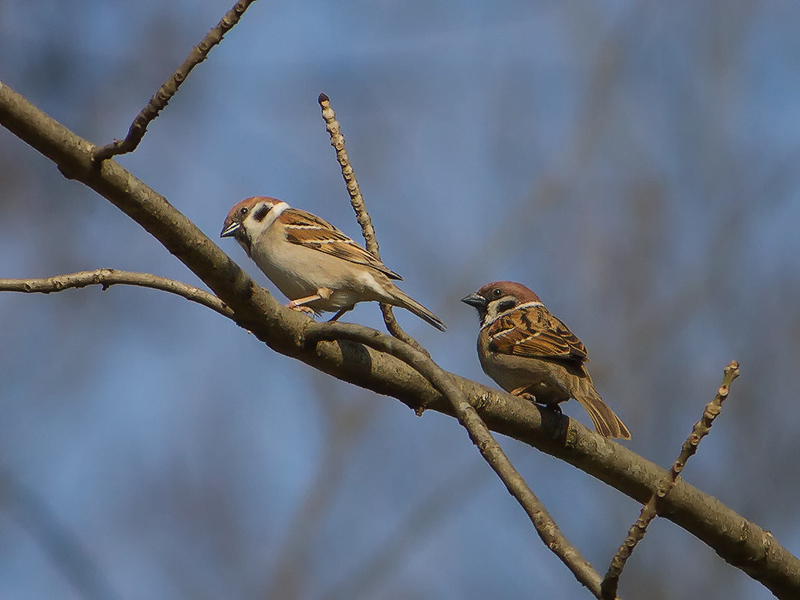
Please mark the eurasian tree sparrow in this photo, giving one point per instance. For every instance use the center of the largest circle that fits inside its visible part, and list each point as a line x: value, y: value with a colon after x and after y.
x: 311, y: 262
x: 530, y: 353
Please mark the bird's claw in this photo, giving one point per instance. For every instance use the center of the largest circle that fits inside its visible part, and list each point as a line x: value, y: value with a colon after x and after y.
x: 303, y: 309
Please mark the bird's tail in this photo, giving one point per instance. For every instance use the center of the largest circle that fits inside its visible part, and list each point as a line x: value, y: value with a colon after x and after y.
x: 407, y: 302
x: 605, y: 421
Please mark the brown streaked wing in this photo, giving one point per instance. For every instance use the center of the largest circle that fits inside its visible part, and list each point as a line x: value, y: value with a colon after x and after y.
x: 533, y: 332
x: 311, y: 231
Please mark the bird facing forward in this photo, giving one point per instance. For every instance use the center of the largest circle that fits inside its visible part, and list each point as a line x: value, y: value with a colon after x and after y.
x: 311, y: 262
x: 530, y: 353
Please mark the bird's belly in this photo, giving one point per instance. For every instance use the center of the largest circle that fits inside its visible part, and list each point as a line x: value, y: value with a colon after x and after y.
x: 302, y: 272
x: 528, y: 375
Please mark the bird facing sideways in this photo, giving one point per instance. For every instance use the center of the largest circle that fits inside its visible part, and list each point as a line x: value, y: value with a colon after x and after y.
x: 311, y: 262
x: 530, y: 353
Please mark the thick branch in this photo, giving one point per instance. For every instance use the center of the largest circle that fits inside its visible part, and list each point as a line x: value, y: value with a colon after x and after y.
x: 650, y: 510
x: 480, y: 435
x: 740, y: 542
x: 170, y: 87
x: 109, y: 277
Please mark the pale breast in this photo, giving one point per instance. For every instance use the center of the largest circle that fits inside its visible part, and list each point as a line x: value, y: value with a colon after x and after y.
x: 299, y: 272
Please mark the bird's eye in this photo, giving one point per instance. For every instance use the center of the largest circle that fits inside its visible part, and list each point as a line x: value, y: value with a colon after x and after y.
x: 243, y: 211
x: 496, y: 292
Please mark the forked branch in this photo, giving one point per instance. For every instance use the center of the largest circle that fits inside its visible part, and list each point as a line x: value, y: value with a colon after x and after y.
x: 740, y: 542
x: 479, y: 433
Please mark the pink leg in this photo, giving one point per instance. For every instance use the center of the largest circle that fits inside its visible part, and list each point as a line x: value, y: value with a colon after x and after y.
x: 322, y: 294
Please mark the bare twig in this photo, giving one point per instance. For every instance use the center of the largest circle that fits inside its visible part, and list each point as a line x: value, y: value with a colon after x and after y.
x: 170, y: 87
x: 649, y: 510
x: 109, y: 277
x: 362, y: 216
x: 478, y: 432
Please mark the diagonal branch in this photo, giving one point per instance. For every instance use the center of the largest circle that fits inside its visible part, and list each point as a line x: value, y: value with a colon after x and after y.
x: 740, y: 542
x: 109, y: 277
x: 362, y: 216
x: 170, y: 87
x: 649, y: 510
x: 480, y: 435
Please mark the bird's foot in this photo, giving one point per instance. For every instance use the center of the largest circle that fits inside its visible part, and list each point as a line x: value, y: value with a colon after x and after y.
x: 532, y: 398
x: 303, y: 309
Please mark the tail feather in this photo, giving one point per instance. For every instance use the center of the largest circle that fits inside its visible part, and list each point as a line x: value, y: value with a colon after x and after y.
x: 605, y: 421
x: 407, y: 302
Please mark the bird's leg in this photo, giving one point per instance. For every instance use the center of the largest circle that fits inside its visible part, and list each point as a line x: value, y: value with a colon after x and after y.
x: 305, y: 310
x: 299, y: 303
x: 522, y: 393
x: 338, y: 315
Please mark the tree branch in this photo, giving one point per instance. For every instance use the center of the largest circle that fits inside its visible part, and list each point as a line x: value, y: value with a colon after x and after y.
x: 649, y: 510
x: 109, y: 277
x: 480, y: 435
x: 362, y: 216
x: 170, y: 87
x: 738, y: 541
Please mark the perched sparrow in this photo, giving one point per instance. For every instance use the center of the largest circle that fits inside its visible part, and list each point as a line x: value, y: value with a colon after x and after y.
x: 314, y: 264
x: 530, y: 353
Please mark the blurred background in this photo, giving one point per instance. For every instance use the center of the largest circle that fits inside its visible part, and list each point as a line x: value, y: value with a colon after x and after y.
x: 635, y: 164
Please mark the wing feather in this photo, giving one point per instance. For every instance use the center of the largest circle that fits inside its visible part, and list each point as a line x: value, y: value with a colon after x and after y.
x: 532, y: 332
x: 311, y: 231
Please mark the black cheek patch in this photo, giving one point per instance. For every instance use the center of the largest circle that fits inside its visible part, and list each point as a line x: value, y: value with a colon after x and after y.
x: 506, y: 304
x: 261, y: 212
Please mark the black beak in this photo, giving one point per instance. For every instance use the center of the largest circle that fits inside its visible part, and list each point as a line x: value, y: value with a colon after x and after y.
x: 230, y: 230
x: 475, y: 300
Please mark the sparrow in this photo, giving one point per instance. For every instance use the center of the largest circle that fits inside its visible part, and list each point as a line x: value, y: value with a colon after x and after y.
x: 311, y: 262
x: 530, y: 353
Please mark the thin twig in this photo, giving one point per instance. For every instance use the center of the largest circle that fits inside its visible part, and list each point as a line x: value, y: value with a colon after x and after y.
x: 109, y: 277
x: 170, y: 87
x: 362, y: 216
x: 649, y: 510
x: 478, y: 432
